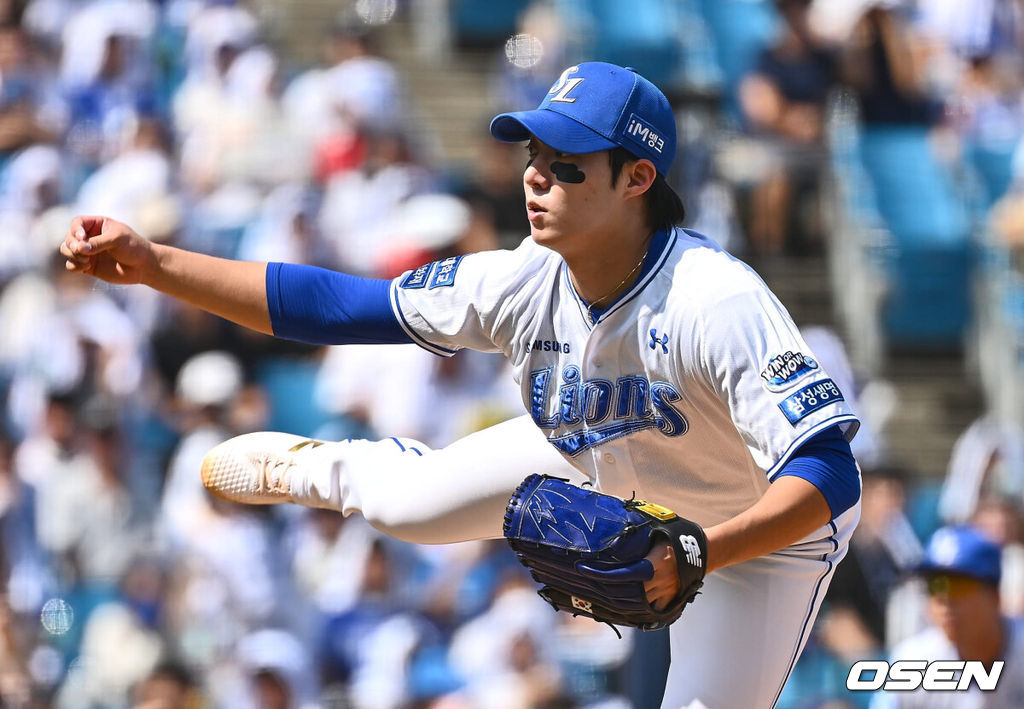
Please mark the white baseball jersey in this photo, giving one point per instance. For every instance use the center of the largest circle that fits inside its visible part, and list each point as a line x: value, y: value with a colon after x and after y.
x: 692, y: 390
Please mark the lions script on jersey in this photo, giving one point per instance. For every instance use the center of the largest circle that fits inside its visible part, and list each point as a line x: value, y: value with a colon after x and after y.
x: 694, y: 387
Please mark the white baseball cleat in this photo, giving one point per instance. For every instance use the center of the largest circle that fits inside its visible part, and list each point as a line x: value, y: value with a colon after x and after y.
x: 254, y: 468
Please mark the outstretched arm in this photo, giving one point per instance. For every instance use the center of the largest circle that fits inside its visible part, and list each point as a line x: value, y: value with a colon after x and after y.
x: 303, y: 303
x: 114, y: 252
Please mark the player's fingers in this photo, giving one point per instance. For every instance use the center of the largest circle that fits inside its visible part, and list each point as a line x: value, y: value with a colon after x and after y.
x: 664, y: 583
x: 660, y: 599
x: 85, y: 225
x: 103, y: 241
x: 74, y: 248
x: 85, y: 266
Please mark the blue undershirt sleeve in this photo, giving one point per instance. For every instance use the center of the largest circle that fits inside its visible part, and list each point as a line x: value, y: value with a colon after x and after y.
x: 827, y: 462
x: 323, y: 307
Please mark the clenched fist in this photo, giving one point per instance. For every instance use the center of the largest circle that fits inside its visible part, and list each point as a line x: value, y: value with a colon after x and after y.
x: 106, y: 249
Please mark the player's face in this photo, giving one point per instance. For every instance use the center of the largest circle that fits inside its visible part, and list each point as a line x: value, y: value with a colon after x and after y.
x: 960, y: 605
x: 567, y: 196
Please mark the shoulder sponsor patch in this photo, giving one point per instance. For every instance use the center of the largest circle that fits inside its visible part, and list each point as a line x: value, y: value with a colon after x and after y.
x: 417, y: 278
x: 784, y: 369
x: 444, y: 273
x: 803, y: 403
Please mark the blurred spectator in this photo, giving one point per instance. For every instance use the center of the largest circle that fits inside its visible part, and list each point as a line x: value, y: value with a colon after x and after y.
x: 974, y: 28
x: 121, y: 642
x: 31, y: 184
x: 883, y: 549
x: 357, y: 206
x: 21, y: 563
x: 66, y: 336
x: 368, y: 647
x: 537, y: 52
x: 226, y: 112
x: 495, y: 192
x: 125, y: 185
x: 207, y: 386
x: 12, y: 12
x: 883, y: 64
x: 784, y: 102
x: 286, y: 229
x: 15, y: 681
x: 314, y: 107
x: 329, y: 558
x: 504, y: 653
x: 83, y: 510
x: 990, y: 116
x: 1002, y: 521
x: 52, y: 463
x: 868, y: 446
x: 169, y: 686
x: 225, y: 586
x: 363, y: 87
x: 280, y: 671
x: 108, y: 532
x: 987, y: 460
x: 22, y: 121
x: 105, y: 77
x: 962, y: 571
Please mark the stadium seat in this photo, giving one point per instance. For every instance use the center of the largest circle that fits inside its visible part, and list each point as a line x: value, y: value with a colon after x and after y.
x: 740, y: 30
x: 994, y: 166
x: 478, y: 23
x: 288, y: 384
x: 643, y: 34
x: 928, y: 260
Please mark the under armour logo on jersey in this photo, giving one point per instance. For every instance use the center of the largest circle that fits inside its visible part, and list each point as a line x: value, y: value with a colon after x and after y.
x: 562, y: 88
x: 692, y: 549
x: 655, y: 341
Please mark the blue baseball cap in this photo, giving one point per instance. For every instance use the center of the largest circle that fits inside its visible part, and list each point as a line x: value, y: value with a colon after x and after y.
x: 598, y: 106
x: 963, y: 551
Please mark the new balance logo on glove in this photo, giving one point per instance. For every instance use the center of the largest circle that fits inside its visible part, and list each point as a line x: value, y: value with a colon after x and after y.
x: 692, y: 548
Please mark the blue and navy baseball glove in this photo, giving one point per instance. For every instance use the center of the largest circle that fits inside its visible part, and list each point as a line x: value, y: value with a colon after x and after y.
x: 588, y: 550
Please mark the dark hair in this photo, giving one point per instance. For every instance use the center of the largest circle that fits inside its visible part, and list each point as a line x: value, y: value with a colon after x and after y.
x: 664, y: 207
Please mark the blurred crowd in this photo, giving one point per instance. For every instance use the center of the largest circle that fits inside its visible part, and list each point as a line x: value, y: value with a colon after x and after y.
x: 122, y: 584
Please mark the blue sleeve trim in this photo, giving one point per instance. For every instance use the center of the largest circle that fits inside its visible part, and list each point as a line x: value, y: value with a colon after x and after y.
x: 323, y: 307
x: 826, y: 462
x: 847, y: 421
x: 414, y: 336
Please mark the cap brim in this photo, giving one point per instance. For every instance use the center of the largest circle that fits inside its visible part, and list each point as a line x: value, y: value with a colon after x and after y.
x: 926, y: 568
x: 551, y: 128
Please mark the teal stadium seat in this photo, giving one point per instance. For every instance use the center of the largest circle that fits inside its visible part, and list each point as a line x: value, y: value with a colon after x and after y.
x: 479, y: 23
x: 929, y: 263
x: 994, y: 166
x: 740, y: 30
x: 289, y: 384
x: 643, y: 34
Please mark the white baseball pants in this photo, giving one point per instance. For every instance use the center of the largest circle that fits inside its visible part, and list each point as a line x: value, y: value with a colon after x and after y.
x: 733, y: 648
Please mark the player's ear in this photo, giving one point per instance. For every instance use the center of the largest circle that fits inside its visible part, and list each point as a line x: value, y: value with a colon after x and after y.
x: 640, y: 175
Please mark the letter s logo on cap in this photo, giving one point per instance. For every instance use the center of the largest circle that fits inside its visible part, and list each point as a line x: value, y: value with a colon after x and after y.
x: 564, y: 86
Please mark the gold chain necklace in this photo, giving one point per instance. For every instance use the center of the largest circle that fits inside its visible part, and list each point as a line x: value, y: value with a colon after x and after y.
x: 593, y: 304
